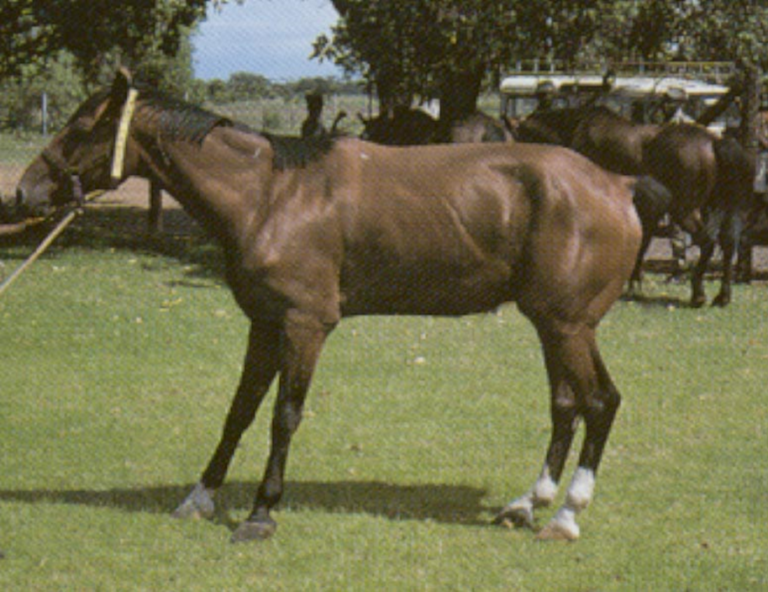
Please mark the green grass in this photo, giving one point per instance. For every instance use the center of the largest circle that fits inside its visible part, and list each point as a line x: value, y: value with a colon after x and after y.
x: 20, y: 149
x: 119, y: 359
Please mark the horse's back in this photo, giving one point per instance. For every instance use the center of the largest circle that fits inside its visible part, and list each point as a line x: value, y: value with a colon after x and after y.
x: 612, y: 141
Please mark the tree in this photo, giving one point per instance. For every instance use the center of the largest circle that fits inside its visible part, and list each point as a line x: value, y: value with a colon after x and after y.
x: 244, y: 86
x: 20, y: 99
x: 92, y: 30
x: 444, y: 48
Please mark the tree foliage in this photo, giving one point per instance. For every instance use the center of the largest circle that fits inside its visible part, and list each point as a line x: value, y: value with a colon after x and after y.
x: 89, y: 30
x: 441, y: 48
x: 61, y: 49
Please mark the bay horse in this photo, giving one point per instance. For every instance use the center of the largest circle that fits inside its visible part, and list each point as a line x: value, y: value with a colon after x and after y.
x: 314, y: 231
x: 706, y: 181
x: 414, y: 127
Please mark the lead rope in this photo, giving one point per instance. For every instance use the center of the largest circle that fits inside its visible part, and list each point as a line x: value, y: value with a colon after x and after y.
x: 117, y: 171
x: 43, y: 246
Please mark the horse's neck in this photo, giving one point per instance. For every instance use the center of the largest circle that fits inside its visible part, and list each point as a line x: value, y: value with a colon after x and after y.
x: 219, y: 181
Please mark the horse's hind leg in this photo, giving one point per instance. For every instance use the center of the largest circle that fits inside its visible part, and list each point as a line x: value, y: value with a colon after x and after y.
x: 698, y: 295
x: 598, y: 402
x: 730, y: 235
x: 564, y: 416
x: 580, y: 387
x: 261, y: 365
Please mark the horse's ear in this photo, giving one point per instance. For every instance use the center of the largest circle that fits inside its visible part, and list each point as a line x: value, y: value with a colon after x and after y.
x: 117, y: 97
x: 120, y: 86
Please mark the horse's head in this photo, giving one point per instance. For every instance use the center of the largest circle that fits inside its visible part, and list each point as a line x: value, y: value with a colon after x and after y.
x: 81, y: 157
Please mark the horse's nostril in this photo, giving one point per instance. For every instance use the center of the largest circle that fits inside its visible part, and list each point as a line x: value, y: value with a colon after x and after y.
x: 20, y: 196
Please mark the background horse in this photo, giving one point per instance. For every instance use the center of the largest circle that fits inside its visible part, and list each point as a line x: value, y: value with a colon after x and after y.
x: 314, y: 231
x: 707, y: 181
x: 414, y: 127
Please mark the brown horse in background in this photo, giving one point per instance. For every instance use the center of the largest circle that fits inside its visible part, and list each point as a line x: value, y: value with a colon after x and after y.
x: 414, y: 127
x: 317, y: 230
x: 706, y: 180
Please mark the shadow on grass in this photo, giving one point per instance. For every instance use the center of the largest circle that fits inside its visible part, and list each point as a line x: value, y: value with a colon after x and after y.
x: 449, y: 504
x: 662, y: 301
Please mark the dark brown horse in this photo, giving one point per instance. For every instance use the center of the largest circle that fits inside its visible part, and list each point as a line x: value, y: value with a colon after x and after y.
x: 316, y: 231
x: 413, y: 127
x: 708, y: 180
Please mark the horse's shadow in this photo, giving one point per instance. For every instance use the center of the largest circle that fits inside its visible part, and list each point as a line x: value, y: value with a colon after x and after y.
x: 656, y: 301
x: 449, y: 504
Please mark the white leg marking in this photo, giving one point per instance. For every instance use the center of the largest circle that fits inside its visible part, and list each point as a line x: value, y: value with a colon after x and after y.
x: 563, y: 524
x: 580, y: 490
x: 520, y: 510
x: 544, y: 490
x: 198, y: 504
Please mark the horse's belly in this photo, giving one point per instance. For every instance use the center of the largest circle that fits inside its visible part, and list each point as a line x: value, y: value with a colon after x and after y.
x: 438, y: 291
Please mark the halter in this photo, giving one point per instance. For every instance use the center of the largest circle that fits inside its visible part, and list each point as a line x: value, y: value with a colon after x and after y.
x: 121, y: 140
x: 117, y: 169
x: 57, y: 163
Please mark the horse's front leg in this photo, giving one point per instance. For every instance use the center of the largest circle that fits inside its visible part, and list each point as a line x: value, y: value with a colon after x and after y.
x: 260, y: 367
x: 302, y: 342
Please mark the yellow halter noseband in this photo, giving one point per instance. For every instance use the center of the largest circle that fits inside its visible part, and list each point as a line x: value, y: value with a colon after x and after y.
x: 121, y: 140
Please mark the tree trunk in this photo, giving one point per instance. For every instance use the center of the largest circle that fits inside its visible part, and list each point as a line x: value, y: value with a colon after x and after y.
x: 458, y: 95
x: 750, y: 109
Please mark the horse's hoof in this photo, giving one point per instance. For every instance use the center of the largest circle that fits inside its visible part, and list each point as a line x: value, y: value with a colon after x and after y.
x: 198, y: 504
x: 558, y: 531
x: 515, y: 516
x: 721, y: 301
x: 254, y: 531
x: 698, y: 302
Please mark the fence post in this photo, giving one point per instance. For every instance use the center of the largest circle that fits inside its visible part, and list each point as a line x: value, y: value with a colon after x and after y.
x: 155, y: 214
x: 44, y: 109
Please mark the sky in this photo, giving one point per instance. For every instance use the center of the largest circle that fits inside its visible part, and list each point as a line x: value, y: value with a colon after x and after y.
x: 268, y: 37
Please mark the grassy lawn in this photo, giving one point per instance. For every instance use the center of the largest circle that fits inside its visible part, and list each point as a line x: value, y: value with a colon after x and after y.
x: 119, y: 358
x: 20, y: 149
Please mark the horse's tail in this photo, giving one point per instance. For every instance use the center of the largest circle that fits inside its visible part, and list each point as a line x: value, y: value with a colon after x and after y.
x: 652, y: 200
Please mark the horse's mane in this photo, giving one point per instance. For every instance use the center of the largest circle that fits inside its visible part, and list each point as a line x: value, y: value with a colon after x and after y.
x: 179, y: 120
x: 294, y: 152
